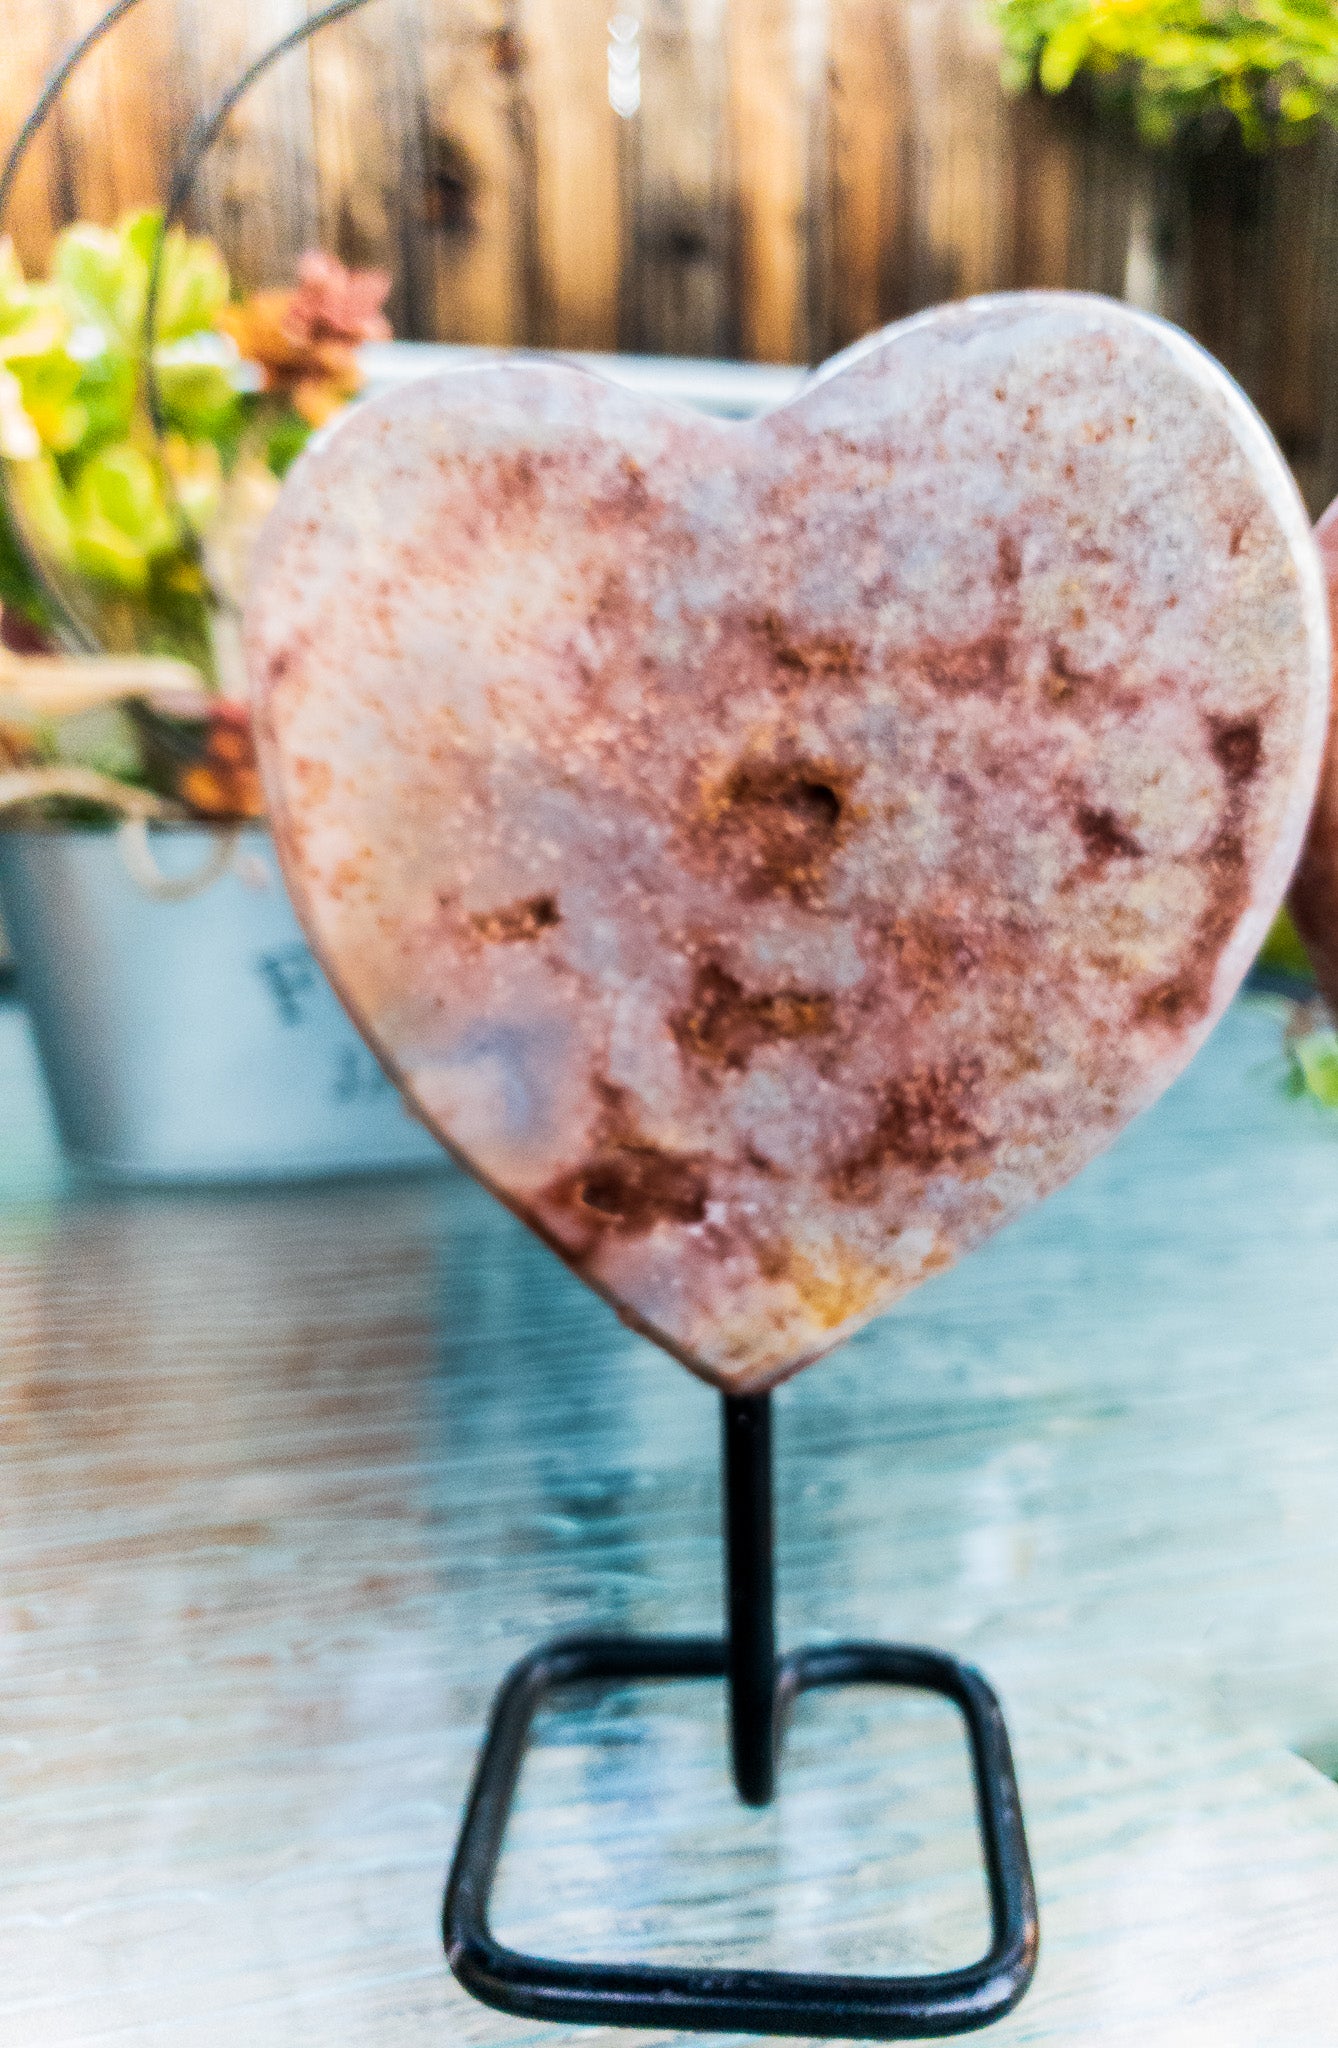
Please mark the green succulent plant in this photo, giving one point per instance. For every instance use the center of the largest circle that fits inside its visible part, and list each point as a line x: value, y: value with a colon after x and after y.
x: 90, y: 488
x: 1267, y: 67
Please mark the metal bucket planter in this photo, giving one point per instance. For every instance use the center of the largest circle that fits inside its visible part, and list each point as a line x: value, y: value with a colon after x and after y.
x: 188, y: 1034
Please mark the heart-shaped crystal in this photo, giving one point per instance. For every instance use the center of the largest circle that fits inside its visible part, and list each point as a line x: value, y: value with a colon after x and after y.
x: 772, y: 855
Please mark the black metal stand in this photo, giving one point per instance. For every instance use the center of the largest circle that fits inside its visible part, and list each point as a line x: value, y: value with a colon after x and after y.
x: 761, y: 1690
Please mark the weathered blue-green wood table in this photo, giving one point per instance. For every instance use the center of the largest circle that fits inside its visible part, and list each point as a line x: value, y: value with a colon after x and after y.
x: 290, y: 1477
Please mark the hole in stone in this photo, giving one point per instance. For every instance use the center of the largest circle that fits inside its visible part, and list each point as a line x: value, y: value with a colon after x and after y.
x: 605, y: 1192
x: 818, y: 801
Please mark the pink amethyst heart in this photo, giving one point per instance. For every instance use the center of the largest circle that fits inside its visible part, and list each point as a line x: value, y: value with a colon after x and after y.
x: 771, y: 856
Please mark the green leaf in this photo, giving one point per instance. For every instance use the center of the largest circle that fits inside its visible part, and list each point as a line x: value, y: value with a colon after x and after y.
x: 197, y: 479
x: 42, y: 508
x: 19, y: 438
x: 1317, y: 1057
x: 101, y: 277
x: 49, y: 385
x: 193, y: 287
x: 14, y: 289
x: 120, y: 517
x: 287, y: 438
x: 197, y: 384
x: 19, y: 589
x: 108, y: 391
x: 1271, y: 65
x: 1063, y: 54
x: 1283, y: 951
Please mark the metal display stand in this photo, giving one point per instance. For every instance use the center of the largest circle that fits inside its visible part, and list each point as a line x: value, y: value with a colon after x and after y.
x: 761, y: 1689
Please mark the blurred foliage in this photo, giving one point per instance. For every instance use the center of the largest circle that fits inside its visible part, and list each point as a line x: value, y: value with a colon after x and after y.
x: 1314, y: 1056
x: 1267, y: 68
x: 1311, y: 1040
x: 89, y: 490
x: 135, y: 486
x: 97, y: 492
x: 1283, y: 951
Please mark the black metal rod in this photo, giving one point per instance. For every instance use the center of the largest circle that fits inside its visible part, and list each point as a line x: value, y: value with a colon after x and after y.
x: 750, y: 1606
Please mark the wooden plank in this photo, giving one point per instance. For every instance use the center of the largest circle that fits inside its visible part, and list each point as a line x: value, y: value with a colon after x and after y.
x: 483, y: 276
x: 1289, y: 369
x: 866, y: 201
x: 770, y: 138
x: 1044, y: 155
x: 959, y: 228
x: 255, y: 192
x: 679, y: 281
x: 39, y: 202
x: 366, y: 91
x: 679, y: 287
x: 576, y: 165
x: 120, y: 113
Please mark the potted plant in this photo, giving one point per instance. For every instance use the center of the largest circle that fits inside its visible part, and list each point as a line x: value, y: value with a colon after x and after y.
x: 184, y: 1029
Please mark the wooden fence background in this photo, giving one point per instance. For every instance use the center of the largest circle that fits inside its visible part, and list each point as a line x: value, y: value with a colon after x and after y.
x: 764, y: 178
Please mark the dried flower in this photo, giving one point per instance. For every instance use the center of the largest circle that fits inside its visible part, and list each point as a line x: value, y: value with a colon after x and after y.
x: 333, y: 303
x: 304, y: 340
x: 223, y: 780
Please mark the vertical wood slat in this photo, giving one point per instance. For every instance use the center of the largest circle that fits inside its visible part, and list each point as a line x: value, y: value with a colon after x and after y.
x: 868, y: 197
x: 1044, y: 160
x: 577, y: 191
x: 256, y: 187
x: 119, y: 117
x: 959, y: 230
x: 366, y: 78
x: 33, y: 39
x: 482, y: 282
x: 679, y: 282
x: 770, y: 130
x: 1319, y: 474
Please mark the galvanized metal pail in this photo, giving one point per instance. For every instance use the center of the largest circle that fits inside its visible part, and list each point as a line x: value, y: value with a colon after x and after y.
x: 197, y: 1039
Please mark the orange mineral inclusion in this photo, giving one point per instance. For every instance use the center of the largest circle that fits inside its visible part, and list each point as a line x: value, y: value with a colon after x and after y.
x: 772, y: 855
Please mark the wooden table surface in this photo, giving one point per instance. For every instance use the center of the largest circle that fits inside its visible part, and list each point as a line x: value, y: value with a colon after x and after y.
x: 290, y: 1477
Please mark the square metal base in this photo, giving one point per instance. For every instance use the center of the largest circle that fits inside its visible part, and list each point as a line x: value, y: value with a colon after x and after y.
x: 728, y: 2000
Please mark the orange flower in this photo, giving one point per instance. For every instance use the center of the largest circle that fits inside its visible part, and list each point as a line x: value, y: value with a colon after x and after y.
x: 305, y: 339
x: 16, y: 747
x: 222, y: 780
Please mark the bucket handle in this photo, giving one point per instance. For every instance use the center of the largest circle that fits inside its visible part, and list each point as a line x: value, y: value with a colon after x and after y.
x: 138, y: 808
x: 132, y: 838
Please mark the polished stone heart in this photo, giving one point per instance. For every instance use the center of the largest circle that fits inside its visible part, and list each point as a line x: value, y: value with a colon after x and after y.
x: 771, y: 856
